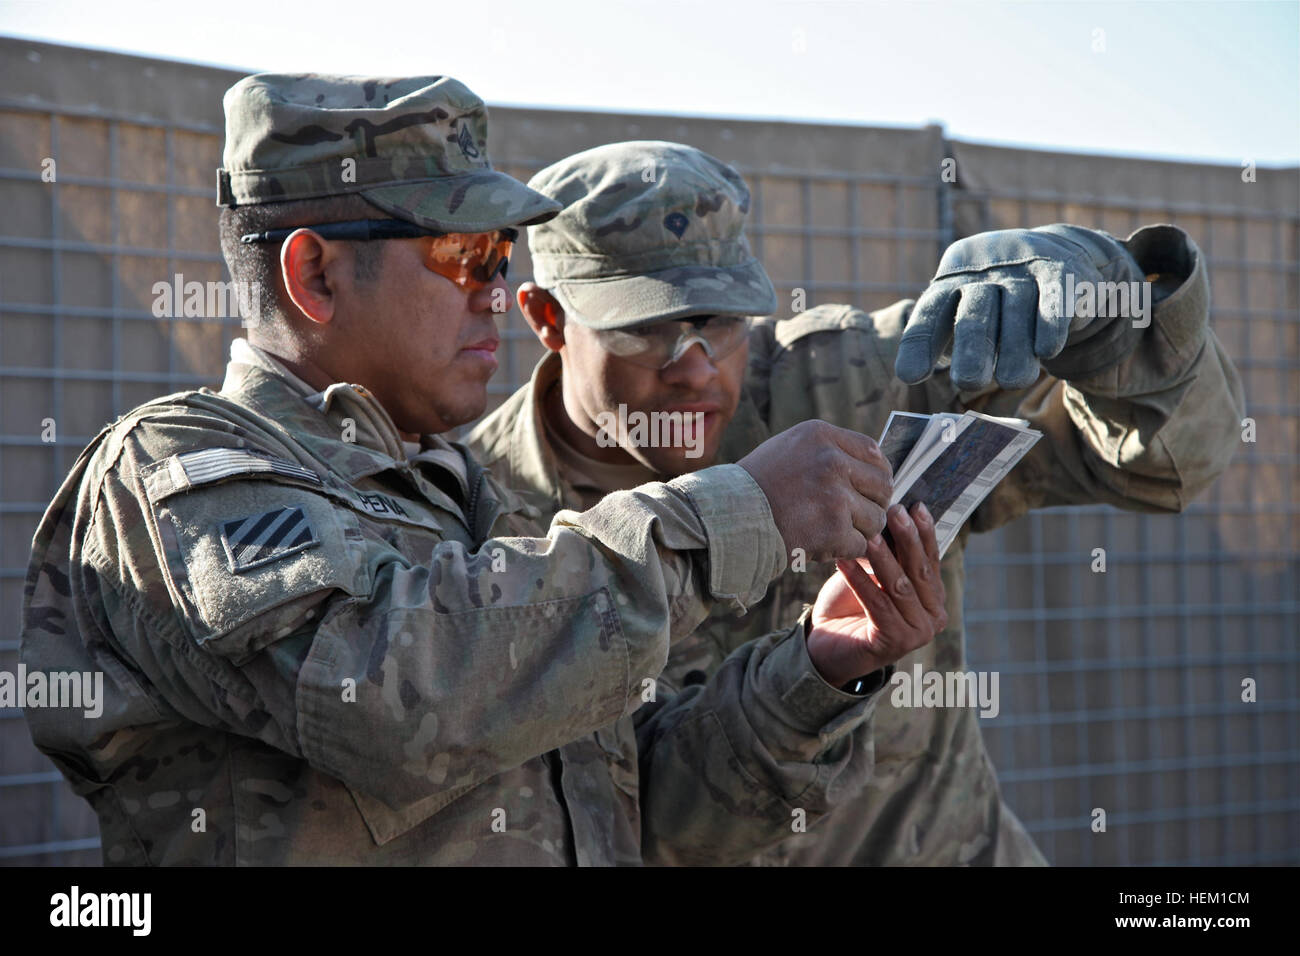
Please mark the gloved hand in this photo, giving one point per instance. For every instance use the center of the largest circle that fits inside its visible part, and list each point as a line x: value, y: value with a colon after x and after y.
x: 1000, y: 297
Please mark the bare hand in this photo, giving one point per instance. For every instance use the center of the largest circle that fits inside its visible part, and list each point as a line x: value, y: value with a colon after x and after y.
x: 828, y: 488
x: 872, y: 613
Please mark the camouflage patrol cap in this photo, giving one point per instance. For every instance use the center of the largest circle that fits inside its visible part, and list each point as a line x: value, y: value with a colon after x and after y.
x: 415, y: 147
x: 650, y: 231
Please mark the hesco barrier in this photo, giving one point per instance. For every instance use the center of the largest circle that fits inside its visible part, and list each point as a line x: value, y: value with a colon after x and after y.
x: 1119, y: 690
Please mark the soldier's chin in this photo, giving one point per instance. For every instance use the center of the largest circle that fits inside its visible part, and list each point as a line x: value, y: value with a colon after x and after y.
x: 675, y: 461
x: 469, y: 404
x: 475, y: 408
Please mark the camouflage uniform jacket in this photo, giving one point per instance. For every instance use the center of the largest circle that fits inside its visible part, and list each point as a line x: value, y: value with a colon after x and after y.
x: 314, y: 654
x: 1148, y: 433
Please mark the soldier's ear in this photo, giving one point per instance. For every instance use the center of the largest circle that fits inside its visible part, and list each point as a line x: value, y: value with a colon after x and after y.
x: 544, y: 315
x: 305, y: 267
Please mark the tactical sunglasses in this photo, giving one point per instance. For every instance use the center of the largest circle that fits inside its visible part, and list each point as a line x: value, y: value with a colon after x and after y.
x: 472, y: 260
x: 659, y: 345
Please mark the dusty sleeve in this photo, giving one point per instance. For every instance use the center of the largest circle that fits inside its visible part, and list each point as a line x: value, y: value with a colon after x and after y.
x: 411, y: 677
x: 764, y: 749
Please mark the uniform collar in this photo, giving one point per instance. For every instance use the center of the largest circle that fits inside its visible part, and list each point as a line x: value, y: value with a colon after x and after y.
x: 245, y: 352
x: 340, y: 414
x: 532, y: 462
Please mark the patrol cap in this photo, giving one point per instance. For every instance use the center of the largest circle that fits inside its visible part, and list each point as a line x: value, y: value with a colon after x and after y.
x: 650, y: 231
x: 416, y: 147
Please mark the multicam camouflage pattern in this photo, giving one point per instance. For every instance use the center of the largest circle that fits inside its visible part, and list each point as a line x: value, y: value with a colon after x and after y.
x: 1148, y: 433
x: 649, y: 231
x: 426, y: 680
x: 415, y: 147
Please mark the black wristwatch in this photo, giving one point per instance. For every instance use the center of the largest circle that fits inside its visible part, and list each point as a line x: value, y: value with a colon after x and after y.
x: 869, y: 683
x: 859, y: 686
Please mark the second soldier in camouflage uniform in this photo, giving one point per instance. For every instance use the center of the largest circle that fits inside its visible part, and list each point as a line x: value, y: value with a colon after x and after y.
x: 1139, y: 416
x: 329, y: 636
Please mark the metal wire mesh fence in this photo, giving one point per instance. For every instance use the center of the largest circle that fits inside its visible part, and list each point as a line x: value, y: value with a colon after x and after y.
x: 1119, y: 690
x: 1123, y: 690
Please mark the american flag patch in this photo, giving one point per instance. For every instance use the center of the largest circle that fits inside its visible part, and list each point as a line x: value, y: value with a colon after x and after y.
x: 263, y: 538
x: 213, y: 464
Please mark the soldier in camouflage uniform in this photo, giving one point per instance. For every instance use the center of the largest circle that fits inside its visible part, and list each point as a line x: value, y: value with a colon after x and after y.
x: 329, y: 636
x: 1142, y: 415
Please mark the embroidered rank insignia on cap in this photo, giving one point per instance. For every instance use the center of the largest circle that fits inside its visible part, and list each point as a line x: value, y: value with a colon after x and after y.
x: 268, y: 537
x: 465, y: 140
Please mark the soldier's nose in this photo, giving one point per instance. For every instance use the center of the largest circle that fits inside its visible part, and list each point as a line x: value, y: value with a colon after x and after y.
x: 694, y: 368
x: 493, y: 297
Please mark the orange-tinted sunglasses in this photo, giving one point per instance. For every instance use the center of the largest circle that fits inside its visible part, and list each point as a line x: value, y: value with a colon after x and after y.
x: 472, y: 260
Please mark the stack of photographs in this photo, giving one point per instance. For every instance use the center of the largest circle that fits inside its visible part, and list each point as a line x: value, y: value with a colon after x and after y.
x: 951, y: 462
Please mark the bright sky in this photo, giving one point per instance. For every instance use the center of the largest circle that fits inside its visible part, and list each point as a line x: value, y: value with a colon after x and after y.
x: 1201, y: 80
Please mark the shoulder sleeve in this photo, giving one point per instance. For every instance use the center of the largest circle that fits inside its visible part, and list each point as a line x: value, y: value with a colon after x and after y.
x: 834, y: 362
x: 258, y: 602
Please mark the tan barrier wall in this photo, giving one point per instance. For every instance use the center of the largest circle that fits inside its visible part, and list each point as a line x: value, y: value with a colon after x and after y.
x: 1119, y: 691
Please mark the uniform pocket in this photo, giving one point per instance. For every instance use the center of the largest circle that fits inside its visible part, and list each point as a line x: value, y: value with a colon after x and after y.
x: 386, y: 824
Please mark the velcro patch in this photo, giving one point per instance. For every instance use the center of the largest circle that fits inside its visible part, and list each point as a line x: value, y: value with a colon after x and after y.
x: 261, y: 539
x: 213, y: 464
